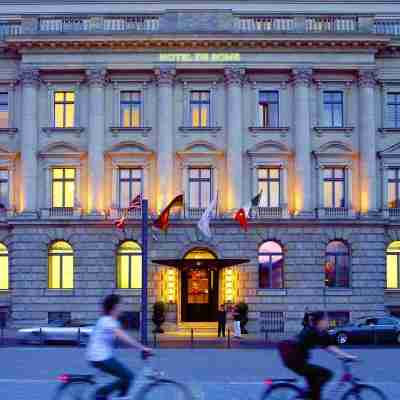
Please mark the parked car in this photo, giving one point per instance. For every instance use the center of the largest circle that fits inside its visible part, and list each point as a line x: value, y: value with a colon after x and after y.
x: 58, y: 331
x: 368, y: 330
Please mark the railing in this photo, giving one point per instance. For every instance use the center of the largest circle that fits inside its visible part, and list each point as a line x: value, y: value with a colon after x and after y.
x: 392, y: 212
x: 267, y: 212
x: 194, y: 213
x: 335, y: 212
x: 9, y: 29
x: 130, y: 214
x: 387, y: 27
x: 265, y: 24
x: 132, y: 24
x: 332, y: 24
x: 61, y: 212
x: 64, y: 24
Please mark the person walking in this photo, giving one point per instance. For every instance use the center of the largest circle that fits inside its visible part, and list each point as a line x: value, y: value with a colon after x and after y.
x: 236, y: 323
x: 221, y: 317
x: 306, y: 319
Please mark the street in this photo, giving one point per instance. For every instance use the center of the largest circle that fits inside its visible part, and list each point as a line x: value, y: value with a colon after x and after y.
x: 30, y: 373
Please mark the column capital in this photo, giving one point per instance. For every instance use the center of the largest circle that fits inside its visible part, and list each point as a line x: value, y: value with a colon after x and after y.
x: 29, y: 76
x: 367, y: 78
x: 234, y: 76
x: 165, y: 76
x: 302, y: 76
x: 96, y: 76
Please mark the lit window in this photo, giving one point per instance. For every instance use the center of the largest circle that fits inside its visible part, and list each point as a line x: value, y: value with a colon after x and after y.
x: 63, y: 187
x: 4, y: 273
x: 337, y: 265
x: 130, y: 109
x: 4, y: 110
x: 269, y: 182
x: 200, y: 109
x: 129, y: 266
x: 393, y: 265
x: 130, y: 185
x: 333, y: 109
x: 64, y: 109
x: 334, y: 188
x: 393, y: 110
x: 393, y: 188
x: 61, y: 266
x: 268, y: 109
x: 200, y: 184
x: 4, y: 188
x: 270, y: 264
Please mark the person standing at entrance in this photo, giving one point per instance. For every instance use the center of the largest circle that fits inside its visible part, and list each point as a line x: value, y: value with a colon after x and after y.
x: 221, y: 321
x: 236, y: 323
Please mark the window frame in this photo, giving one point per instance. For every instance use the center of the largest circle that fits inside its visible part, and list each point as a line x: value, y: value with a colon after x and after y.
x: 6, y: 203
x: 8, y: 107
x: 262, y: 121
x: 64, y: 181
x: 130, y: 180
x: 335, y: 255
x: 396, y: 123
x: 130, y: 103
x: 5, y: 253
x: 200, y: 105
x: 268, y: 182
x: 396, y: 181
x: 397, y: 255
x: 129, y: 254
x: 64, y: 105
x: 334, y: 181
x: 61, y: 256
x: 270, y: 255
x: 199, y: 181
x: 331, y: 112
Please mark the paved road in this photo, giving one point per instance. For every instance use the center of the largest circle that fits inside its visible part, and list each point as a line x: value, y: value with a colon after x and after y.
x: 30, y: 373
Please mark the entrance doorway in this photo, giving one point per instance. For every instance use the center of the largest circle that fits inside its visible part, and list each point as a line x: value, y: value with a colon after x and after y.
x: 199, y: 288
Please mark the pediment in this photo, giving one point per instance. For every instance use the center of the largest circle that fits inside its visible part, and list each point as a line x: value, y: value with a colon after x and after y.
x: 61, y: 149
x: 129, y: 147
x: 269, y: 147
x: 335, y: 148
x: 391, y: 151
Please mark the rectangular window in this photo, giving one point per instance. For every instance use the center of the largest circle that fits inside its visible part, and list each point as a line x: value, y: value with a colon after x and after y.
x: 4, y: 188
x: 130, y: 109
x: 334, y: 188
x: 393, y: 188
x: 200, y: 108
x: 269, y: 182
x: 130, y: 185
x: 333, y: 109
x: 63, y: 187
x: 200, y: 187
x: 4, y: 110
x: 393, y: 110
x: 64, y: 109
x: 268, y: 109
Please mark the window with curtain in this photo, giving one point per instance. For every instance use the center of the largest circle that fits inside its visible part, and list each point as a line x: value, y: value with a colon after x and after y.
x: 393, y: 110
x: 393, y: 265
x: 333, y: 109
x: 4, y: 272
x: 337, y: 265
x: 63, y: 187
x: 130, y: 109
x: 269, y: 182
x: 270, y: 265
x: 61, y: 266
x: 200, y: 187
x: 129, y: 266
x: 64, y: 109
x: 4, y: 110
x: 393, y: 187
x: 334, y: 187
x: 130, y: 185
x: 4, y: 188
x: 268, y: 108
x: 200, y: 108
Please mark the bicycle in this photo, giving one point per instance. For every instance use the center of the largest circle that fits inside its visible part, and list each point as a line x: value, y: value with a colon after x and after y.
x: 288, y: 389
x: 82, y: 387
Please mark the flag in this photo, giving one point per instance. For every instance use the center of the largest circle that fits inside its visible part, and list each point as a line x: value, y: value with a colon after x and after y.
x: 243, y: 213
x: 120, y: 222
x: 136, y: 202
x: 204, y: 222
x: 162, y: 221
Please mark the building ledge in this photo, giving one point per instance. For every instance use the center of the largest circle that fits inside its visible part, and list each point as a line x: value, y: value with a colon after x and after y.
x: 140, y: 130
x: 320, y: 130
x: 59, y: 292
x: 389, y: 130
x: 338, y: 291
x: 52, y: 130
x: 333, y: 212
x: 208, y: 129
x: 8, y: 131
x: 281, y: 130
x: 271, y: 292
x: 269, y: 212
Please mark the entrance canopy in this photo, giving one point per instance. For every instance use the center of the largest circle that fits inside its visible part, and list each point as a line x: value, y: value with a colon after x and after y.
x: 201, y: 262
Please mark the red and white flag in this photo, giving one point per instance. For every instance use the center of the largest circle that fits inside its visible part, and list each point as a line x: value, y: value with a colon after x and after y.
x: 242, y: 214
x: 134, y: 204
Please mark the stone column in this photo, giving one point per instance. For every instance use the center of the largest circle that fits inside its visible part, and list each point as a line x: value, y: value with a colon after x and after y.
x: 367, y: 82
x: 165, y: 156
x: 302, y: 131
x: 30, y: 82
x: 96, y: 79
x: 234, y: 153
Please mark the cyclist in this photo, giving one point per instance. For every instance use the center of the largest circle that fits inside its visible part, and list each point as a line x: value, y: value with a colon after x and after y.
x: 100, y: 349
x: 296, y: 353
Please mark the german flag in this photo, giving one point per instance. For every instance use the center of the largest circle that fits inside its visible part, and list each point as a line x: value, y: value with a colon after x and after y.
x: 162, y: 221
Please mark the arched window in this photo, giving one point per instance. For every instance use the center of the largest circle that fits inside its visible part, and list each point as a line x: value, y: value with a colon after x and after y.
x: 61, y: 266
x: 129, y: 266
x: 337, y: 265
x: 393, y: 265
x: 4, y: 279
x: 270, y: 265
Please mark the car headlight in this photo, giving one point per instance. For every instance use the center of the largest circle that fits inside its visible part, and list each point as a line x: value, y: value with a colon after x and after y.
x: 331, y: 331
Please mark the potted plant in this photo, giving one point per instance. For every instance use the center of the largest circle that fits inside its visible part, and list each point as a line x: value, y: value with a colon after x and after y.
x: 243, y: 310
x: 158, y: 316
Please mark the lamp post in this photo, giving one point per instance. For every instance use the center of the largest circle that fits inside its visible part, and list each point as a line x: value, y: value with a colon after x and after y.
x: 143, y: 319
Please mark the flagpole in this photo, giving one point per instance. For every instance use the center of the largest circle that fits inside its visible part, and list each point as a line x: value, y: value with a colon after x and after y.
x: 143, y: 319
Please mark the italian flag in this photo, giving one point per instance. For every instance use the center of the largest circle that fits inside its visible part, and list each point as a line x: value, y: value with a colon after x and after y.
x: 243, y: 213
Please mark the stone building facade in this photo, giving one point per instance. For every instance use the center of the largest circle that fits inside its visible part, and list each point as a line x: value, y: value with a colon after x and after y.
x: 299, y: 101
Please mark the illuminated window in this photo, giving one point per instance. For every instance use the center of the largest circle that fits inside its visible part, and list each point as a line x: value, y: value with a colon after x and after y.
x: 393, y: 110
x: 269, y: 182
x: 270, y: 265
x: 200, y: 109
x: 129, y: 266
x: 63, y: 187
x: 61, y: 266
x: 130, y: 109
x: 4, y: 110
x: 4, y: 188
x: 393, y: 265
x: 130, y: 185
x: 64, y: 109
x: 4, y: 273
x: 268, y: 109
x: 334, y: 187
x: 200, y: 187
x: 393, y: 188
x: 333, y: 109
x: 337, y: 265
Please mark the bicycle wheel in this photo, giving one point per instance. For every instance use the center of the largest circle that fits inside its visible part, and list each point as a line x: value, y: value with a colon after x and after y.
x: 364, y: 392
x: 165, y: 389
x: 74, y: 391
x: 282, y: 391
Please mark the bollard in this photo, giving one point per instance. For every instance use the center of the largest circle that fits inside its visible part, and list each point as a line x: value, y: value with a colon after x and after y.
x: 192, y: 337
x: 79, y: 336
x: 229, y: 338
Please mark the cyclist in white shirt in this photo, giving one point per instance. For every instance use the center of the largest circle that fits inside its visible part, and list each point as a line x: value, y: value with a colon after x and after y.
x: 100, y: 349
